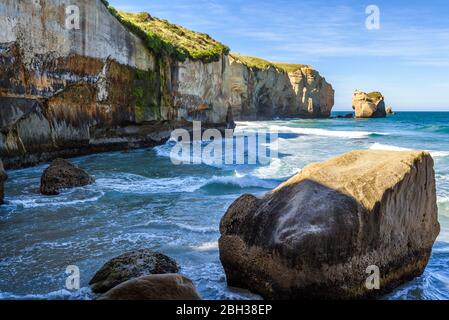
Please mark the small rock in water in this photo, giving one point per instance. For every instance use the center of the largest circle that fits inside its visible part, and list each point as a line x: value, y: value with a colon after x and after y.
x: 131, y: 265
x: 154, y: 287
x: 389, y: 110
x: 346, y: 116
x: 63, y: 174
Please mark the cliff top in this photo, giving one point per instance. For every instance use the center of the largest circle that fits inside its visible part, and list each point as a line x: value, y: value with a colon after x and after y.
x: 375, y: 95
x: 253, y: 62
x: 165, y: 38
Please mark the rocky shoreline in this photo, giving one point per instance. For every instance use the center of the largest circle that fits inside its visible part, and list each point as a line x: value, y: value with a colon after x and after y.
x: 64, y: 94
x: 67, y: 93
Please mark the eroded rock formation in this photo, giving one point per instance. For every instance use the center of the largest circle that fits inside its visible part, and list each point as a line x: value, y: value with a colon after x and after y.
x: 389, y: 110
x: 62, y: 174
x: 131, y: 265
x: 67, y: 92
x: 154, y: 287
x: 315, y: 235
x: 368, y: 105
x: 260, y: 94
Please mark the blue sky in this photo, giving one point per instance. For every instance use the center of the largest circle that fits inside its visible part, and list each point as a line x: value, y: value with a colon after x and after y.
x: 407, y: 58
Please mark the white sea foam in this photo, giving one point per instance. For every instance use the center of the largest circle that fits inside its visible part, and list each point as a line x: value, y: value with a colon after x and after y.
x: 276, y: 170
x: 63, y: 294
x: 62, y: 200
x: 326, y: 133
x: 246, y: 181
x: 183, y: 226
x: 387, y: 147
x: 136, y: 184
x: 253, y: 126
x: 206, y: 246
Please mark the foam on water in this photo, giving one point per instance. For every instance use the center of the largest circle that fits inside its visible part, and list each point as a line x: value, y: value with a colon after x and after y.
x: 327, y: 133
x: 386, y: 147
x: 136, y: 184
x: 63, y: 294
x: 141, y: 200
x: 206, y: 246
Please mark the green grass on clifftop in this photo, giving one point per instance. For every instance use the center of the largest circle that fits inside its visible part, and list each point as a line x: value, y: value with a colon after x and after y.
x: 375, y: 95
x: 253, y: 62
x: 167, y: 39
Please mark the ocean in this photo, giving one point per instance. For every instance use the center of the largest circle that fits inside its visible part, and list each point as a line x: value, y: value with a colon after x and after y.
x: 141, y: 200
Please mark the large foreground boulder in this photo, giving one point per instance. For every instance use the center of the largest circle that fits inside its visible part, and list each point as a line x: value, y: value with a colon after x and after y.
x: 62, y: 174
x: 316, y: 235
x: 368, y: 105
x: 3, y: 178
x: 154, y: 287
x: 131, y: 265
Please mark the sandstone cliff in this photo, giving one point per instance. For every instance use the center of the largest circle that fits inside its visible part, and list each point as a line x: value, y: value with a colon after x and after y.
x: 264, y: 90
x: 316, y: 235
x: 114, y: 84
x: 368, y: 105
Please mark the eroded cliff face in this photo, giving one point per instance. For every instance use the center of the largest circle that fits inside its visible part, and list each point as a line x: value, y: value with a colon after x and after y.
x: 67, y: 92
x: 259, y: 94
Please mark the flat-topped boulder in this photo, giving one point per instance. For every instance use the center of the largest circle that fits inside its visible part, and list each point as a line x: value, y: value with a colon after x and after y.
x: 62, y: 174
x: 154, y: 287
x: 368, y: 105
x: 316, y: 235
x: 3, y: 178
x: 131, y: 265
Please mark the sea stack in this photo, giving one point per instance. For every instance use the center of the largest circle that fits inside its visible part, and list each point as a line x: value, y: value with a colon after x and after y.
x: 321, y: 233
x: 389, y: 110
x: 3, y: 178
x: 368, y: 105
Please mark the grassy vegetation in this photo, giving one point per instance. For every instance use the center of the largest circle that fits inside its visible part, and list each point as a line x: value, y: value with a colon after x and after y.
x: 375, y: 95
x: 253, y: 62
x: 167, y: 39
x: 290, y: 67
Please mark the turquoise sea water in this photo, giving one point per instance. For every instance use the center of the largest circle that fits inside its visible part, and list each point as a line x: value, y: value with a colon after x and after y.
x: 141, y: 200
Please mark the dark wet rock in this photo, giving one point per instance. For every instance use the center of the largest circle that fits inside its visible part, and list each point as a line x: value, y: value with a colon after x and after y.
x: 346, y: 116
x: 131, y: 265
x: 63, y: 174
x: 154, y: 287
x: 3, y: 178
x: 315, y: 235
